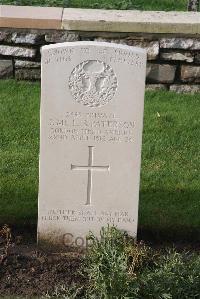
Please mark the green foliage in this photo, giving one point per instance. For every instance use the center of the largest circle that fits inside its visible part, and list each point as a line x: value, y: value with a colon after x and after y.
x: 66, y: 292
x: 112, y: 262
x: 106, y: 264
x: 106, y: 4
x: 62, y: 3
x: 132, y: 4
x: 173, y: 276
x: 118, y: 268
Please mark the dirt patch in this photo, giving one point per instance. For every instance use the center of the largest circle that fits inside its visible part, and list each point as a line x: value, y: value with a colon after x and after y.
x: 27, y: 271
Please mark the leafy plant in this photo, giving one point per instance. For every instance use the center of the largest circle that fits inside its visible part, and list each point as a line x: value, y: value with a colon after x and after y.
x: 118, y: 268
x: 64, y: 292
x: 106, y: 264
x: 173, y: 276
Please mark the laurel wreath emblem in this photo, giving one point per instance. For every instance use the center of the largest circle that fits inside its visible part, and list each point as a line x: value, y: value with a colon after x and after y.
x: 93, y: 83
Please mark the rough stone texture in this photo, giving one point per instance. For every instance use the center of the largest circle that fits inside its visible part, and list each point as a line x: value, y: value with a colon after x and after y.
x: 60, y: 37
x: 6, y: 69
x: 180, y: 43
x: 17, y: 51
x: 188, y: 57
x: 4, y: 36
x: 110, y: 40
x: 27, y: 38
x: 190, y: 73
x: 152, y: 47
x: 27, y: 74
x: 160, y: 73
x: 156, y: 87
x: 26, y: 64
x: 197, y: 58
x: 185, y: 88
x: 193, y: 5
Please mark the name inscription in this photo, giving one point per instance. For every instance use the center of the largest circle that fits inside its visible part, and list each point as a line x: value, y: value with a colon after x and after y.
x: 95, y: 127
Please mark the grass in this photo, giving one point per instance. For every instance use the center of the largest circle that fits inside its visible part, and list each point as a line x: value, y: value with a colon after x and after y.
x: 169, y: 193
x: 165, y: 5
x: 19, y: 151
x: 170, y: 164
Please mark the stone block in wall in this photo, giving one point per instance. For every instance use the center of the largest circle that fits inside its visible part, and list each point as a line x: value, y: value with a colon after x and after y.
x: 190, y: 73
x: 27, y: 74
x: 17, y: 51
x: 180, y: 43
x: 185, y: 88
x: 4, y: 36
x: 27, y: 38
x: 197, y: 58
x: 6, y: 69
x: 110, y: 40
x: 26, y: 64
x: 160, y: 73
x: 187, y: 56
x: 154, y: 87
x: 60, y: 37
x: 152, y: 47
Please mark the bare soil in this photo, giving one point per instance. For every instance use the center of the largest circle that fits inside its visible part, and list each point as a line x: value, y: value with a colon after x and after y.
x: 27, y: 272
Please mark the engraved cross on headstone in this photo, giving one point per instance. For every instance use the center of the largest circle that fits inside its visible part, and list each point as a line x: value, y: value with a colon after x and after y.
x: 90, y: 168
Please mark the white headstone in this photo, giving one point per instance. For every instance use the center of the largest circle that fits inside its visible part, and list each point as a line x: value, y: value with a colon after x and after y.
x: 90, y: 141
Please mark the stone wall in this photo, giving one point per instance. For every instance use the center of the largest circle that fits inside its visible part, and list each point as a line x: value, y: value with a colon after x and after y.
x: 173, y: 62
x: 172, y: 40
